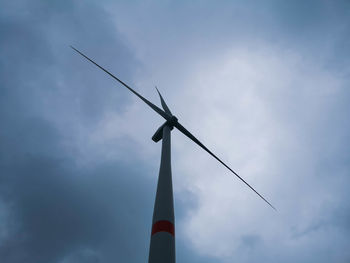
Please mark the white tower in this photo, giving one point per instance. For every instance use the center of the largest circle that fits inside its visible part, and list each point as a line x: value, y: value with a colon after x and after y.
x: 162, y: 246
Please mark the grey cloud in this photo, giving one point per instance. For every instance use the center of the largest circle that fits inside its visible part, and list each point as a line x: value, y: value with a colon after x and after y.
x: 250, y: 241
x: 59, y: 209
x: 55, y: 210
x: 52, y: 208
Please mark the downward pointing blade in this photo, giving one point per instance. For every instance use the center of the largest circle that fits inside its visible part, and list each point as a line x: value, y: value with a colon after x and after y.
x: 165, y: 107
x: 154, y: 107
x: 189, y: 135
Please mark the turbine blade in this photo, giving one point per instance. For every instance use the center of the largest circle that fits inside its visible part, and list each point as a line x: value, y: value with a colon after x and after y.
x: 154, y: 107
x: 165, y: 107
x: 189, y: 135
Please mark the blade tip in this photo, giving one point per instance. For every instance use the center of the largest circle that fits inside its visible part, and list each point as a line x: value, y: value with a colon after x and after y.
x: 157, y: 90
x: 76, y: 50
x: 274, y: 208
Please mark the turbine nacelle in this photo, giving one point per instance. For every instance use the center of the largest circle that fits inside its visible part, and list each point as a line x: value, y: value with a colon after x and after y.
x: 171, y: 122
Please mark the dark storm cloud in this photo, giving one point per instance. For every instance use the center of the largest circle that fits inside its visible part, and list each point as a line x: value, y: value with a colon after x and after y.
x: 56, y: 211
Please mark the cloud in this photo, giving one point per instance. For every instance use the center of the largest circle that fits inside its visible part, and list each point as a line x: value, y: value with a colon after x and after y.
x: 262, y: 85
x: 55, y: 208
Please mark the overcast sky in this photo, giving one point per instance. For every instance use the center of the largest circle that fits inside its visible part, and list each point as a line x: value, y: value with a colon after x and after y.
x: 264, y: 84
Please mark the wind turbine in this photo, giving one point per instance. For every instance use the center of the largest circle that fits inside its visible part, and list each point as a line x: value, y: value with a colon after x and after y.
x: 162, y: 245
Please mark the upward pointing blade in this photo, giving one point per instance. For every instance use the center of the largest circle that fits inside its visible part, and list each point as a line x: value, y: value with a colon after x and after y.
x: 154, y: 107
x: 165, y: 107
x: 189, y: 135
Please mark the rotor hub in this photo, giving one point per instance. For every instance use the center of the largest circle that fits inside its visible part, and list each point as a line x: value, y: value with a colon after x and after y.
x: 172, y: 121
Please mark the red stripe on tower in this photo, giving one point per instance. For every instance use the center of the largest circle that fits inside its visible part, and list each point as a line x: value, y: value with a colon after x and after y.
x: 163, y: 226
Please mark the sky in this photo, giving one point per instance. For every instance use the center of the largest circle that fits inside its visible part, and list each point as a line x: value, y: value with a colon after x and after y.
x: 263, y: 84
